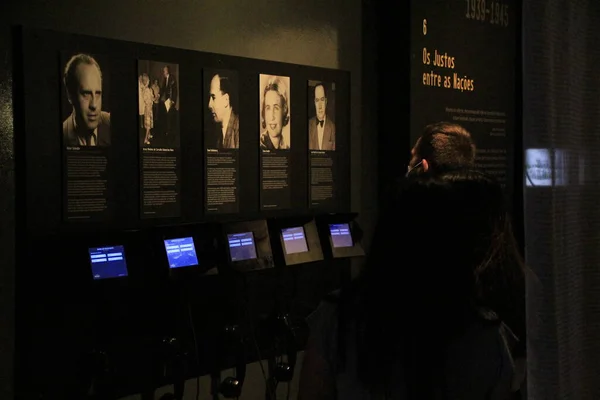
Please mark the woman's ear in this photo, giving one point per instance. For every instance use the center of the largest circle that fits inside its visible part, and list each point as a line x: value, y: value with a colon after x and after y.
x: 425, y: 165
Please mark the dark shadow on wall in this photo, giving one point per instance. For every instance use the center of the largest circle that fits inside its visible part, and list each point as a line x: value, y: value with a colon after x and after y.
x: 357, y: 53
x: 368, y: 126
x: 391, y: 45
x: 7, y: 217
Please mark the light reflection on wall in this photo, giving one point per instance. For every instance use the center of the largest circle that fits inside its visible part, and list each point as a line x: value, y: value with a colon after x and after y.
x: 322, y: 41
x: 554, y: 167
x: 6, y: 122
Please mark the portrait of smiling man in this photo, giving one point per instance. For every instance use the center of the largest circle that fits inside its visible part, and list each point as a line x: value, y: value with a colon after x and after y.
x: 223, y: 111
x: 87, y: 125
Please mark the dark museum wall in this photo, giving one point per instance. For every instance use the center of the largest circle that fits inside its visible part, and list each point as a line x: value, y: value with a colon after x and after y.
x: 320, y: 33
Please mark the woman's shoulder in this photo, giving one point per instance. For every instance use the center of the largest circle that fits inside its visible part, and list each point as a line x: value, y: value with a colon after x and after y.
x: 480, y: 361
x: 480, y: 335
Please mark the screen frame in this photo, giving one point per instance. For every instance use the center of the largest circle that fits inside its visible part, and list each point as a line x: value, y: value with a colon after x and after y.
x: 262, y: 245
x: 253, y: 245
x: 135, y: 248
x: 122, y: 246
x: 349, y: 230
x: 283, y: 241
x: 356, y: 250
x: 197, y: 265
x: 204, y: 236
x: 311, y: 236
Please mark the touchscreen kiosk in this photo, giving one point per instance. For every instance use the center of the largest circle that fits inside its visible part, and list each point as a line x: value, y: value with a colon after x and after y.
x: 340, y: 235
x: 248, y: 245
x: 294, y: 240
x: 299, y: 239
x: 108, y: 262
x: 188, y: 251
x: 241, y: 246
x: 181, y: 252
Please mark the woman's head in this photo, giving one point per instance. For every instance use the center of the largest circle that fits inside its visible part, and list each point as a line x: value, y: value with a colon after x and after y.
x: 275, y: 108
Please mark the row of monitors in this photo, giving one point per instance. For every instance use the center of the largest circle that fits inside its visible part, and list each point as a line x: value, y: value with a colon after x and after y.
x: 296, y: 243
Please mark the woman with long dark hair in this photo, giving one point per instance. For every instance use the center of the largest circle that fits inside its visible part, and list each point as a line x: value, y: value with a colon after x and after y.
x: 425, y: 319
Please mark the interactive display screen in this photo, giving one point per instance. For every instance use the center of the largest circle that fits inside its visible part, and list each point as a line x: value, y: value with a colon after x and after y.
x: 181, y: 252
x: 241, y: 246
x: 340, y: 235
x: 108, y: 262
x: 294, y: 240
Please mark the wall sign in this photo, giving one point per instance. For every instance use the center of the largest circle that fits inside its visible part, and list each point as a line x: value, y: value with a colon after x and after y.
x: 462, y: 71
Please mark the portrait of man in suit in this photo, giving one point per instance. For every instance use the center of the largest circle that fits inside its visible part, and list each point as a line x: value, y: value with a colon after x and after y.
x: 87, y: 124
x: 224, y: 129
x: 159, y: 104
x: 169, y: 92
x: 321, y: 127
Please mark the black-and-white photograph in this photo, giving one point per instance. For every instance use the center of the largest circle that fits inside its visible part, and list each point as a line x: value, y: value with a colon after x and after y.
x: 321, y: 115
x: 221, y: 114
x: 275, y: 106
x: 85, y: 101
x: 158, y: 103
